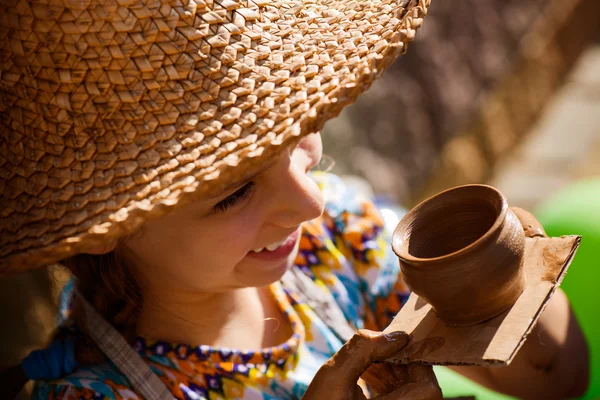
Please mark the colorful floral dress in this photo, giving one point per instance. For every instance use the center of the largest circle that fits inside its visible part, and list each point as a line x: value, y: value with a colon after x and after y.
x: 346, y: 252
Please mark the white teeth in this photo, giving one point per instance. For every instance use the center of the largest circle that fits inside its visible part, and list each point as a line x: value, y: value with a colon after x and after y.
x: 271, y: 247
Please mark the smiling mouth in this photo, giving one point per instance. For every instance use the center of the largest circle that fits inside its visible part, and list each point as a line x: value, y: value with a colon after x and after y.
x: 279, y: 246
x: 271, y: 247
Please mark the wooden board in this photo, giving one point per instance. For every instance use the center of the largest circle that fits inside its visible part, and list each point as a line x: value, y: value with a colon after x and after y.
x: 496, y: 341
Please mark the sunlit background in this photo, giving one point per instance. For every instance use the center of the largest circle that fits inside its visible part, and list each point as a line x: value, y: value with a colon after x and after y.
x: 499, y: 92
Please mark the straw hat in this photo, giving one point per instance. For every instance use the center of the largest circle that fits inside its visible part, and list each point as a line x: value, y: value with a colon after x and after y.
x: 115, y: 111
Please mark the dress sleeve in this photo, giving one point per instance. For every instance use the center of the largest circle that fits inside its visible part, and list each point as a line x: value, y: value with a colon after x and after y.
x: 355, y: 259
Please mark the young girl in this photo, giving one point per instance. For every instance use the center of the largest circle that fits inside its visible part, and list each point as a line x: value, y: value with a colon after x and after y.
x: 167, y: 151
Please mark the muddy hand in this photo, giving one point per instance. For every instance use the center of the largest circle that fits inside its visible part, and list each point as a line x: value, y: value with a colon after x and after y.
x: 338, y: 378
x: 531, y: 225
x: 400, y: 381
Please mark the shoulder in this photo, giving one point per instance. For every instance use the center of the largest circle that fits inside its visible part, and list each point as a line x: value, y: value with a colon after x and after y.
x: 98, y: 382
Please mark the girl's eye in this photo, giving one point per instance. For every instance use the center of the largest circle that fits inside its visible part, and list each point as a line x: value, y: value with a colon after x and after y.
x: 233, y: 199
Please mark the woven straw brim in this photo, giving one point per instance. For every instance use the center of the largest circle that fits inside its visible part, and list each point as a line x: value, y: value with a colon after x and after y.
x: 117, y: 112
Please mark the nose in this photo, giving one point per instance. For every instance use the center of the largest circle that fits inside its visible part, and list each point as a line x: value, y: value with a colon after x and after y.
x: 296, y: 198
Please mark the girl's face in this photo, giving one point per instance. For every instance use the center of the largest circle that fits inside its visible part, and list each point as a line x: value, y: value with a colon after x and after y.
x: 247, y: 236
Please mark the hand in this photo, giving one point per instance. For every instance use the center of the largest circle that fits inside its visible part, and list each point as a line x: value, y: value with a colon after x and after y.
x: 338, y: 378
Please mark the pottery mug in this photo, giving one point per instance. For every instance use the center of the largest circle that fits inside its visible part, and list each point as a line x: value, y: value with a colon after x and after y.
x: 462, y: 251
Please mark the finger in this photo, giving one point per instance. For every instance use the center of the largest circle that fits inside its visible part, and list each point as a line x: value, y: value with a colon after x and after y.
x: 414, y: 391
x: 360, y: 351
x: 531, y: 226
x: 401, y: 371
x: 382, y: 377
x: 386, y: 377
x: 423, y: 385
x: 421, y: 373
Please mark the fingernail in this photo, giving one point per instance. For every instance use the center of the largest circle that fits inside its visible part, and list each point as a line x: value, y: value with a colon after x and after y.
x: 393, y: 336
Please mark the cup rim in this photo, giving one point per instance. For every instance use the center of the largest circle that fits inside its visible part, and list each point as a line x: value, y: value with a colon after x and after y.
x: 397, y: 244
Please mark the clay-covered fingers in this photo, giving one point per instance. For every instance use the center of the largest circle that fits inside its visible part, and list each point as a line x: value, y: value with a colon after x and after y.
x: 384, y: 378
x: 339, y: 375
x: 362, y: 350
x: 422, y: 385
x: 531, y: 226
x: 418, y: 373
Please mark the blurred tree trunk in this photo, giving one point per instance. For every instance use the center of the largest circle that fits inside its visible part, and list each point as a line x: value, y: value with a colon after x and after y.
x: 462, y: 76
x: 508, y: 111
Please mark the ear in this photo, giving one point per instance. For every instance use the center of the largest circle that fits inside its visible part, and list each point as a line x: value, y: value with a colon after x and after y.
x: 103, y: 248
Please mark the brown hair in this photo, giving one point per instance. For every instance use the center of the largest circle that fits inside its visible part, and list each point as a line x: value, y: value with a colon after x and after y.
x: 108, y: 285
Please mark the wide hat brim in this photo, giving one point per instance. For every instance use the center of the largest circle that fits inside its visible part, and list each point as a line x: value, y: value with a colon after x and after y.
x: 494, y: 342
x: 119, y: 111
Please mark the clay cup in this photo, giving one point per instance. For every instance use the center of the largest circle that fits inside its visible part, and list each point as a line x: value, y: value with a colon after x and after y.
x: 462, y: 251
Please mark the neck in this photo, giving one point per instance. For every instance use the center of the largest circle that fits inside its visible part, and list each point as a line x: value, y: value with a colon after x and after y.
x: 234, y: 319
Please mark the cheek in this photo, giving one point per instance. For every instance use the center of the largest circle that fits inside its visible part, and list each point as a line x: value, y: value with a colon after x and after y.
x: 192, y: 254
x: 232, y: 241
x: 220, y: 245
x: 188, y: 252
x: 220, y: 249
